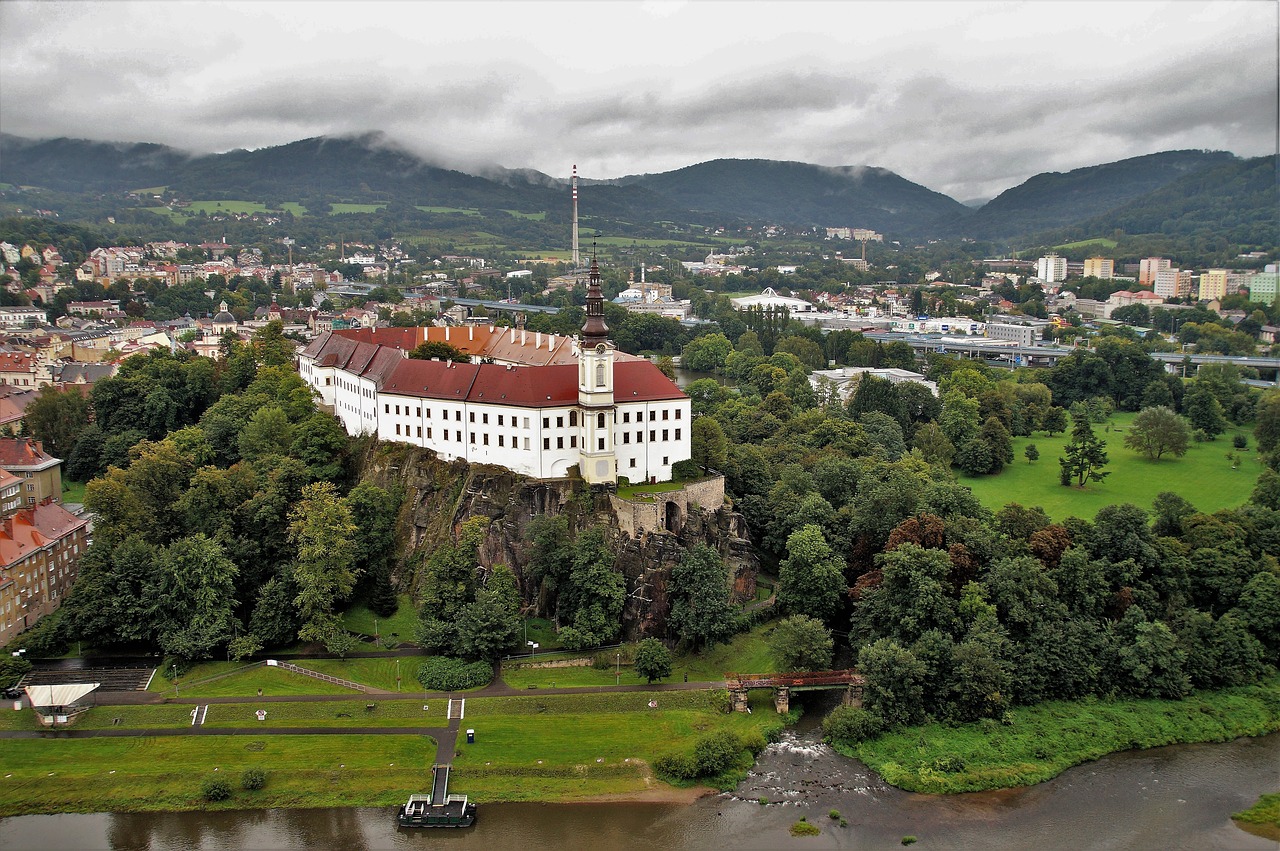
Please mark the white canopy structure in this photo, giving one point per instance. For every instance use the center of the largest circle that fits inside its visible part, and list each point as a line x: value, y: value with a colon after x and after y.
x: 58, y: 696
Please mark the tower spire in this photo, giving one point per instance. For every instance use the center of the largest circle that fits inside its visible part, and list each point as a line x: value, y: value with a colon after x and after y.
x: 594, y: 331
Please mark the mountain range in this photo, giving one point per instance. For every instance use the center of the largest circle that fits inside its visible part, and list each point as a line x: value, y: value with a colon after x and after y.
x: 1173, y: 190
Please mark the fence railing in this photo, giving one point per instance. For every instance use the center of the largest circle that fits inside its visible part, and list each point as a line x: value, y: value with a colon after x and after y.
x: 307, y: 672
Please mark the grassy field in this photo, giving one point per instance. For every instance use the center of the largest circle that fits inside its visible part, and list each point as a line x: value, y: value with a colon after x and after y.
x: 72, y: 491
x: 1100, y: 241
x: 293, y: 207
x: 1204, y: 476
x: 241, y: 681
x: 567, y: 747
x: 464, y: 211
x: 165, y: 774
x: 393, y: 630
x: 545, y: 748
x: 533, y: 217
x: 746, y: 653
x: 1044, y: 740
x: 379, y: 673
x: 338, y: 209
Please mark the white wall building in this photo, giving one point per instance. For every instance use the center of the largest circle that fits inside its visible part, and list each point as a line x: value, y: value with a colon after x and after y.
x: 770, y: 298
x: 582, y: 404
x: 1051, y: 268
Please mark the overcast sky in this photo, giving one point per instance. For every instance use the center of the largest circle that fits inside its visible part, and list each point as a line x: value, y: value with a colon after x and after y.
x: 966, y: 98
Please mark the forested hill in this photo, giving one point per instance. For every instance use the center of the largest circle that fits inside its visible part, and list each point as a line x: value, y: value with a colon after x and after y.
x: 799, y: 193
x: 79, y: 165
x: 1235, y: 200
x: 1054, y: 199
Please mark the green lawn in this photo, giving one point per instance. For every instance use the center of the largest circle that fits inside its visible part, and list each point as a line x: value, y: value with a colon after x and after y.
x: 211, y: 207
x: 1203, y: 476
x: 541, y: 631
x: 379, y: 673
x: 165, y: 774
x: 242, y: 681
x: 72, y: 491
x: 400, y: 627
x: 293, y: 207
x: 533, y: 217
x: 747, y: 653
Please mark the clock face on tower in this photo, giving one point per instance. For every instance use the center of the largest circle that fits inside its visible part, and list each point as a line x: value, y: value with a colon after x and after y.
x: 599, y: 348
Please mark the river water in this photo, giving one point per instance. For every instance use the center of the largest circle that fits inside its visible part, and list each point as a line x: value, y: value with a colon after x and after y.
x: 1178, y: 797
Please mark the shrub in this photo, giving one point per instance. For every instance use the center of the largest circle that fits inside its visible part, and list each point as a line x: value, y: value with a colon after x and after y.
x: 834, y: 815
x: 803, y: 828
x: 909, y: 840
x: 716, y: 752
x: 253, y: 778
x: 216, y: 789
x: 1240, y: 442
x: 850, y: 726
x: 441, y: 673
x: 681, y: 766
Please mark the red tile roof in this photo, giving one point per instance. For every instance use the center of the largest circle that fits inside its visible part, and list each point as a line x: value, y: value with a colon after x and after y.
x: 522, y: 386
x: 29, y: 529
x: 22, y: 452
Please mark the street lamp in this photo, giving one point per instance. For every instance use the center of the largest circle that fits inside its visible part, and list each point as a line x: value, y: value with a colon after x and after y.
x: 617, y: 669
x: 174, y: 669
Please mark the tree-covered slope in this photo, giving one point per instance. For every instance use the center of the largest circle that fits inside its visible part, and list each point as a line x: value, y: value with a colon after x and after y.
x: 79, y: 165
x: 1055, y: 199
x: 799, y: 193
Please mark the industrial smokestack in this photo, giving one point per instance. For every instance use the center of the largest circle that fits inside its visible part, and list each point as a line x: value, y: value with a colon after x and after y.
x: 575, y: 215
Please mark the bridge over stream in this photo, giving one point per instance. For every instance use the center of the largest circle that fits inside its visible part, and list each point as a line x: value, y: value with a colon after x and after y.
x: 784, y: 684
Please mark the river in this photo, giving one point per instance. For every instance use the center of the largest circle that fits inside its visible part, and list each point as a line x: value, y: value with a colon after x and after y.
x: 1178, y: 797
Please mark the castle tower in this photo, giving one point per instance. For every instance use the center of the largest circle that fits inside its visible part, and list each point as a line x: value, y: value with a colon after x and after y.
x: 599, y: 463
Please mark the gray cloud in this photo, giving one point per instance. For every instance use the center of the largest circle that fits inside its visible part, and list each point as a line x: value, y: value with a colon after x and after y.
x: 966, y: 119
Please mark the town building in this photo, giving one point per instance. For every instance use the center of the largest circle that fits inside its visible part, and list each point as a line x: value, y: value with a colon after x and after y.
x: 537, y: 404
x: 1023, y: 335
x: 1102, y: 268
x: 770, y: 299
x: 1265, y: 286
x: 40, y: 547
x: 1174, y: 283
x: 41, y: 472
x: 1213, y: 285
x: 1051, y: 268
x: 1148, y: 268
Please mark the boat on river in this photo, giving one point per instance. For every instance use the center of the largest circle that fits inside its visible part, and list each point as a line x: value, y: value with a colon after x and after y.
x: 439, y: 809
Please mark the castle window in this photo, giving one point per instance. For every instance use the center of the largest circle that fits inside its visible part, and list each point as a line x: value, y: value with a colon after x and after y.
x: 500, y: 443
x: 601, y: 447
x: 397, y: 410
x: 677, y: 413
x: 546, y: 422
x: 677, y: 434
x: 573, y: 419
x: 639, y: 437
x: 599, y: 420
x: 386, y: 409
x: 653, y: 435
x: 626, y: 437
x: 473, y: 438
x: 665, y: 413
x: 397, y: 429
x: 559, y: 422
x: 559, y: 443
x: 665, y: 435
x: 653, y: 415
x: 419, y: 431
x: 633, y: 462
x: 573, y: 441
x: 486, y: 439
x: 626, y: 418
x: 419, y: 412
x: 499, y: 419
x: 546, y: 443
x: 472, y: 416
x: 665, y: 460
x: 485, y: 418
x: 599, y: 375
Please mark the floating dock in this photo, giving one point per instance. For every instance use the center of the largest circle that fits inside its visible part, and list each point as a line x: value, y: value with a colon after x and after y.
x: 439, y: 809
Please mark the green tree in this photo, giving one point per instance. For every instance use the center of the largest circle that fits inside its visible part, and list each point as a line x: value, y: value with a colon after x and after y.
x: 707, y: 353
x: 1055, y: 420
x: 709, y: 446
x: 914, y: 596
x: 57, y: 418
x: 801, y: 643
x: 1267, y: 428
x: 1204, y: 411
x: 1086, y: 454
x: 268, y: 432
x: 1155, y: 431
x: 1031, y: 453
x: 592, y: 599
x: 192, y: 595
x: 894, y: 680
x: 811, y: 578
x: 438, y: 350
x: 702, y: 613
x: 321, y: 528
x: 490, y: 625
x: 653, y: 660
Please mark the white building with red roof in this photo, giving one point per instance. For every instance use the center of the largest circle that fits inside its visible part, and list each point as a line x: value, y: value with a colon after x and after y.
x: 537, y: 404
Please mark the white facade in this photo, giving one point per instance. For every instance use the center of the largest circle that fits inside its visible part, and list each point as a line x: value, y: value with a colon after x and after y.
x: 1051, y: 268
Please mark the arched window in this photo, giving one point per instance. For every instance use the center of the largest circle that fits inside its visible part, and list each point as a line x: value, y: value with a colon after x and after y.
x: 573, y: 419
x: 599, y: 375
x: 599, y: 420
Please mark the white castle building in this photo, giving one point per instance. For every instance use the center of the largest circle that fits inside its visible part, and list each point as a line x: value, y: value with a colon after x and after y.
x: 536, y: 404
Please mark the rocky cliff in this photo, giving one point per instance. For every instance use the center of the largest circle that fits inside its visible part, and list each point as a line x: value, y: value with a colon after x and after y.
x: 441, y: 496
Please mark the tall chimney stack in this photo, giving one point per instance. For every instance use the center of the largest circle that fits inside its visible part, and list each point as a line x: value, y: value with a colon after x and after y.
x: 575, y: 215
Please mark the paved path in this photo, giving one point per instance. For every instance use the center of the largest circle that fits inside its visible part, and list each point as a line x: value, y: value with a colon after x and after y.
x: 440, y: 734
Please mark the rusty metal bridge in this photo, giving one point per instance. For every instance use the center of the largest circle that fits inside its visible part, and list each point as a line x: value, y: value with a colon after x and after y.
x: 739, y: 685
